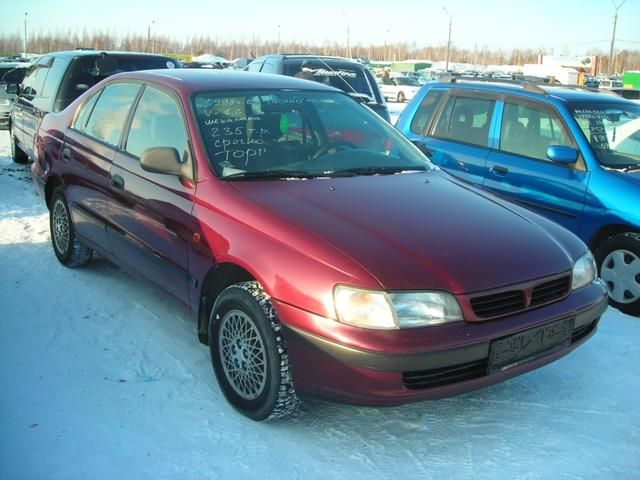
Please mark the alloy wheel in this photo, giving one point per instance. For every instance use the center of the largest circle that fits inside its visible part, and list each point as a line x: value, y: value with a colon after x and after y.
x: 60, y: 226
x: 243, y: 355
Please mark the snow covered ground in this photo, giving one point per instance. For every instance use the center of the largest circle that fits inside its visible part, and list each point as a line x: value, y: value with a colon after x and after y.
x: 103, y: 378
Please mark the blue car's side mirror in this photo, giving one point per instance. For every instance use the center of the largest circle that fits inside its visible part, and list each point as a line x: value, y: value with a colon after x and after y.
x: 561, y: 154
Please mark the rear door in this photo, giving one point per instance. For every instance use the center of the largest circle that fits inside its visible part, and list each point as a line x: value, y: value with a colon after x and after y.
x: 518, y: 167
x: 458, y: 136
x: 150, y: 213
x: 90, y: 146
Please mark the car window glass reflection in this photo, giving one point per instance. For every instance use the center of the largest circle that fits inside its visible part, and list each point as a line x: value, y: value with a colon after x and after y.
x: 156, y: 123
x: 108, y: 116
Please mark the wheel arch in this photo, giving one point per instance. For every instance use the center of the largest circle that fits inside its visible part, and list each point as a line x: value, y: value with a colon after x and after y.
x: 52, y: 184
x: 609, y: 231
x: 218, y: 278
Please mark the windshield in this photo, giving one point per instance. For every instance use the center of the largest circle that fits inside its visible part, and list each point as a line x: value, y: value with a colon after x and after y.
x: 613, y: 130
x: 298, y: 134
x: 410, y: 81
x: 350, y: 79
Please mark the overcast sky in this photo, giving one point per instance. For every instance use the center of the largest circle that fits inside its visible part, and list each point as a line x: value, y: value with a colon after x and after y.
x: 562, y: 25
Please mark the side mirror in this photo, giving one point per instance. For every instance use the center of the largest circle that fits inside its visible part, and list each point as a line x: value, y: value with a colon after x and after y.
x: 12, y: 88
x: 561, y: 154
x: 423, y: 148
x: 165, y: 160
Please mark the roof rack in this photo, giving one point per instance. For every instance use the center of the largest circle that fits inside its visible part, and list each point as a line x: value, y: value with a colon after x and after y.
x: 525, y: 84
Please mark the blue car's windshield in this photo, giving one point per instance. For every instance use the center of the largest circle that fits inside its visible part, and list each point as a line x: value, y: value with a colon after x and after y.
x: 613, y: 130
x: 299, y: 134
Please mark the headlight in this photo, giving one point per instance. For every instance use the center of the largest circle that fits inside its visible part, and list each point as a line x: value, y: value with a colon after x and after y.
x: 372, y: 309
x: 4, y: 102
x: 363, y: 308
x: 421, y: 309
x: 584, y: 271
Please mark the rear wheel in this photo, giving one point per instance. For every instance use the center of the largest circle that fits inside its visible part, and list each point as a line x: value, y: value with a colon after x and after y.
x: 248, y: 353
x: 68, y: 249
x: 17, y: 154
x: 618, y: 259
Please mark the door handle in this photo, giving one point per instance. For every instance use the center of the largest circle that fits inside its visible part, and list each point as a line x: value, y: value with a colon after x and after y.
x: 66, y: 154
x: 498, y: 170
x: 117, y: 182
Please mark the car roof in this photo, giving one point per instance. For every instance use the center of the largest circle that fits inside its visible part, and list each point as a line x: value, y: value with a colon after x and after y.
x: 87, y: 53
x: 14, y: 64
x: 191, y: 80
x: 566, y: 93
x: 307, y: 56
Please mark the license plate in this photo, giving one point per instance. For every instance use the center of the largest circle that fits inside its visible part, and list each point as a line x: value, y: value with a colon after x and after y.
x: 514, y: 350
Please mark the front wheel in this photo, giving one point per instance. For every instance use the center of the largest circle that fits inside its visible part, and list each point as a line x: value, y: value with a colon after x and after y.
x: 68, y: 249
x: 249, y: 355
x: 618, y: 260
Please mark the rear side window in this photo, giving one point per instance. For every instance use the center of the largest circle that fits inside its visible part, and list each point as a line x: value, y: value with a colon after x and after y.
x: 254, y: 66
x: 466, y: 119
x: 270, y: 65
x: 529, y: 130
x: 425, y: 111
x: 110, y: 112
x: 34, y: 81
x: 86, y: 71
x: 86, y: 109
x: 157, y: 122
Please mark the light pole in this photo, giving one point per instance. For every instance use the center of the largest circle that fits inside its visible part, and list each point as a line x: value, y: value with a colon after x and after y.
x: 446, y: 66
x: 385, y: 44
x: 278, y: 50
x: 348, y: 35
x: 613, y: 37
x: 149, y: 36
x: 25, y: 33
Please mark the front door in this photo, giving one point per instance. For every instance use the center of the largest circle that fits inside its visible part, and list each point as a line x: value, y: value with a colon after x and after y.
x: 150, y: 213
x: 518, y: 168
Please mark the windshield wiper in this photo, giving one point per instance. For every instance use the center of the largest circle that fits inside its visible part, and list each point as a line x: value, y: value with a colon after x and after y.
x: 630, y: 168
x: 388, y: 170
x: 270, y: 174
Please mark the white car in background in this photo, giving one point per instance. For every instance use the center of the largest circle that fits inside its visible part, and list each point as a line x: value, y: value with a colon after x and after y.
x: 399, y: 88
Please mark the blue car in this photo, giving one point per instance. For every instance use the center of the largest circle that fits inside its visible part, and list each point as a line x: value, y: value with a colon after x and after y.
x: 567, y: 153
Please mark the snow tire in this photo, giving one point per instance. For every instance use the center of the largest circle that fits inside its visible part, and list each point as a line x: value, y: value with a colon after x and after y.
x: 249, y: 305
x: 68, y: 249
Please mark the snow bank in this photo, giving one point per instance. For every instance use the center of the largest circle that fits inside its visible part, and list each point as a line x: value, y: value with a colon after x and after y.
x: 103, y: 378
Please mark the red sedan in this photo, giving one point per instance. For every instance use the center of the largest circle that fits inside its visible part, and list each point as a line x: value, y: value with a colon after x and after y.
x: 319, y: 250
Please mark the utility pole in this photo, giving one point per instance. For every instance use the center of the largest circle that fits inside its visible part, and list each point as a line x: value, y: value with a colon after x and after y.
x: 25, y: 33
x: 149, y: 36
x: 348, y: 35
x: 446, y: 67
x: 278, y: 50
x: 613, y: 37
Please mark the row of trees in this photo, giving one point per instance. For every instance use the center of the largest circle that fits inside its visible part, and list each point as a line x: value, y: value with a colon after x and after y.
x: 105, y: 40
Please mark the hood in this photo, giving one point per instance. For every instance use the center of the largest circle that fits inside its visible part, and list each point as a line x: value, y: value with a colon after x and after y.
x: 418, y: 231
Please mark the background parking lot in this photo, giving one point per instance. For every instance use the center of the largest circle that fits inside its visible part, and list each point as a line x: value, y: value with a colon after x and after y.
x: 103, y: 377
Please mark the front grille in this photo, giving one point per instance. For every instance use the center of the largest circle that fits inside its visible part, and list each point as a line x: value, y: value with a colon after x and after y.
x: 550, y: 291
x: 498, y: 304
x: 437, y: 377
x: 444, y: 376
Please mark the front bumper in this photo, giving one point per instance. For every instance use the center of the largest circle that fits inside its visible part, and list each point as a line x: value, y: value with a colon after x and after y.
x: 331, y: 360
